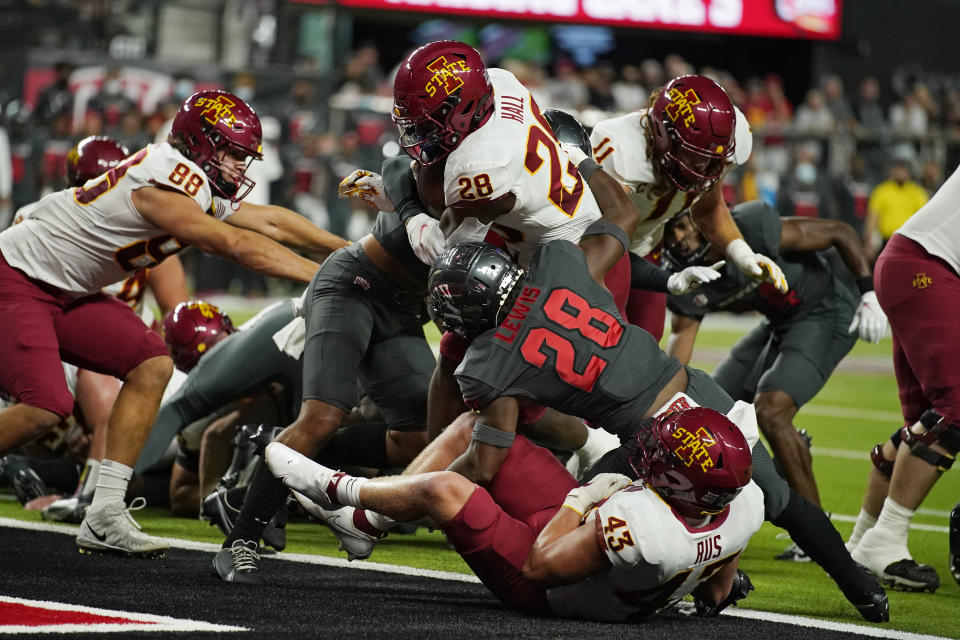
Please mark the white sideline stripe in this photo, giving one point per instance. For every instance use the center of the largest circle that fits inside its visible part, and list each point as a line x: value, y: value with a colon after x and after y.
x: 919, y: 527
x: 800, y: 621
x: 150, y: 621
x: 849, y: 454
x: 877, y: 415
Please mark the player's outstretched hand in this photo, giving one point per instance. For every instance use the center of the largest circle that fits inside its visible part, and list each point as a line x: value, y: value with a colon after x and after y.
x: 756, y: 265
x: 692, y: 277
x: 869, y: 319
x: 366, y: 186
x: 426, y: 238
x: 600, y: 488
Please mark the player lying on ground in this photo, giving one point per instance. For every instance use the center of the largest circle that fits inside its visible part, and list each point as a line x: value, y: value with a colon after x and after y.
x: 612, y: 550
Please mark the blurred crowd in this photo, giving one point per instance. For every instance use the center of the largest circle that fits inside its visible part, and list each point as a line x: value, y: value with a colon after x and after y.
x: 822, y: 157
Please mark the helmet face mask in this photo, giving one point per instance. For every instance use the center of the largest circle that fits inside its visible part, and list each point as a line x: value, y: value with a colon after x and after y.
x: 678, y: 252
x: 693, y: 124
x: 212, y: 125
x: 470, y: 288
x: 441, y: 94
x: 191, y: 329
x: 696, y: 460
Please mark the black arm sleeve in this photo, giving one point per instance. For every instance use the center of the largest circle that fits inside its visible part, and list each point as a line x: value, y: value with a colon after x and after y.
x: 401, y: 187
x: 644, y: 275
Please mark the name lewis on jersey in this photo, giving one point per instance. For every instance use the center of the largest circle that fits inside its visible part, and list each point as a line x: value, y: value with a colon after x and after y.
x: 445, y: 76
x: 508, y: 329
x: 216, y: 109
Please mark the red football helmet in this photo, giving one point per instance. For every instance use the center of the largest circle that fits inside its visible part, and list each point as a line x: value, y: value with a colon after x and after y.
x: 92, y: 157
x: 191, y: 329
x: 696, y: 459
x: 693, y: 124
x: 212, y: 121
x: 441, y: 94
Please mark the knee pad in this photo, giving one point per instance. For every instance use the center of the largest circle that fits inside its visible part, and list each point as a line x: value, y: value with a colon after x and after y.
x: 933, y: 429
x: 882, y: 465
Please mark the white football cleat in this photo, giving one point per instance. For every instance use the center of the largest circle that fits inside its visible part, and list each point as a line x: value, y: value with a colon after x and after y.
x: 358, y: 544
x: 301, y: 474
x: 109, y: 528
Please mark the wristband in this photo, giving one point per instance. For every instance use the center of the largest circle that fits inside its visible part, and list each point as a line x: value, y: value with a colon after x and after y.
x: 606, y: 228
x: 492, y: 436
x: 587, y: 166
x: 865, y: 284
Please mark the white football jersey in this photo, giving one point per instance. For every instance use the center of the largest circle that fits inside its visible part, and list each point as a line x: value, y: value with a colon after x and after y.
x: 620, y: 146
x: 81, y: 240
x: 513, y: 152
x: 656, y: 557
x: 936, y: 226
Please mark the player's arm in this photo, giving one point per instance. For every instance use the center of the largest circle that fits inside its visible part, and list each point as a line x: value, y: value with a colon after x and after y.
x: 444, y: 402
x: 565, y: 551
x: 683, y: 333
x: 712, y: 218
x: 286, y: 227
x: 182, y: 218
x: 485, y: 209
x: 168, y: 283
x: 493, y: 434
x: 724, y: 588
x: 602, y: 251
x: 811, y: 234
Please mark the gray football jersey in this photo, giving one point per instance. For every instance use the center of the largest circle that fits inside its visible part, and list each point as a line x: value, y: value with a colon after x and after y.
x: 565, y: 346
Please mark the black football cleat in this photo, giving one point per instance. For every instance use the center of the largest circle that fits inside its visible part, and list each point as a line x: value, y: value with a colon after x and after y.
x: 238, y: 563
x: 217, y: 509
x: 868, y: 596
x: 908, y: 575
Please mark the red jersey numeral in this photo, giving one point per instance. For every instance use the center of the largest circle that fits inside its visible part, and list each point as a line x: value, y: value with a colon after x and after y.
x: 110, y: 179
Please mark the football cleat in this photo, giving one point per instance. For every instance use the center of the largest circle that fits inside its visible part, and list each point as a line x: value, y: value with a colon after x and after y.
x: 217, y: 510
x: 342, y: 522
x: 865, y: 593
x: 238, y: 563
x: 70, y: 510
x: 908, y: 575
x: 301, y: 474
x: 793, y: 553
x: 955, y: 543
x: 110, y: 528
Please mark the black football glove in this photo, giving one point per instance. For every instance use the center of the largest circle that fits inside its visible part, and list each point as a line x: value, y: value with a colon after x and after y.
x: 738, y: 591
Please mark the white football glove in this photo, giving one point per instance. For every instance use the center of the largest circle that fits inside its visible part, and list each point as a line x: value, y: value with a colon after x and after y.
x: 576, y: 153
x: 426, y: 237
x: 692, y: 277
x: 600, y: 488
x: 869, y: 319
x: 756, y: 265
x: 367, y: 187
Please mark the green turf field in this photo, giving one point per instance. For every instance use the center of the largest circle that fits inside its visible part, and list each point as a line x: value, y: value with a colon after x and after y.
x: 852, y: 413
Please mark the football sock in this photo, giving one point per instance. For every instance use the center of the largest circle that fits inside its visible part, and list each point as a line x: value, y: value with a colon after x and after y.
x: 376, y: 520
x: 864, y: 522
x: 265, y: 495
x: 347, y: 489
x: 894, y: 520
x: 112, y: 482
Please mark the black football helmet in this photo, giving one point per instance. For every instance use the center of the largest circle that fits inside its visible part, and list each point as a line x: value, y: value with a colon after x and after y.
x: 470, y: 285
x: 568, y: 130
x: 674, y: 259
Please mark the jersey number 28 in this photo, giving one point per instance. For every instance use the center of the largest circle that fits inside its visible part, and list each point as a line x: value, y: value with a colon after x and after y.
x: 570, y: 311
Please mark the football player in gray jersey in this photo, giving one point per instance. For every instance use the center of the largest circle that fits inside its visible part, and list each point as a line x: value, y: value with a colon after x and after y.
x: 785, y: 361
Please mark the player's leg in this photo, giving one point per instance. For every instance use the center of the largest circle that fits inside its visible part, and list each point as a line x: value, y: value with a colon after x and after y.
x: 237, y: 366
x: 647, y: 310
x: 30, y: 369
x: 340, y: 322
x: 139, y: 357
x: 923, y: 321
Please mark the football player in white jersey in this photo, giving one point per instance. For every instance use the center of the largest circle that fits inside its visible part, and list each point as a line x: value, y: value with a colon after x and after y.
x: 611, y: 550
x: 917, y: 278
x: 53, y: 265
x: 670, y: 157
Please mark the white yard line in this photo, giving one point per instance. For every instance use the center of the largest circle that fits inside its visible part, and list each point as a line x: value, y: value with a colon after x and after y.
x: 800, y: 621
